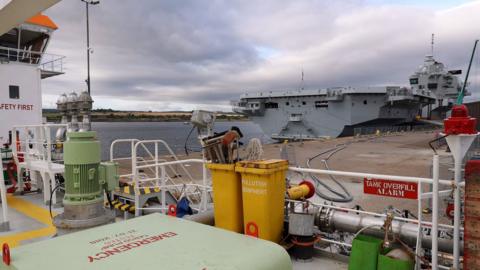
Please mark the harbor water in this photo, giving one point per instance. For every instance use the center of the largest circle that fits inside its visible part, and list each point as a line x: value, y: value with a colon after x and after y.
x: 174, y: 133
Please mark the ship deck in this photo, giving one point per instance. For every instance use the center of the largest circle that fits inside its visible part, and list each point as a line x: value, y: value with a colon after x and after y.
x: 405, y: 154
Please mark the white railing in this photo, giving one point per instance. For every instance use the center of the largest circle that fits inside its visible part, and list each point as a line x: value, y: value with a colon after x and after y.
x: 35, y: 142
x: 32, y: 151
x: 434, y: 181
x: 151, y: 157
x: 3, y: 195
x: 161, y: 182
x: 46, y: 62
x: 160, y: 172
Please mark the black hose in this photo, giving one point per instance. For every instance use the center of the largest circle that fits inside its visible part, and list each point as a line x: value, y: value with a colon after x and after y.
x: 430, y: 143
x: 340, y: 197
x: 51, y: 197
x: 186, y: 141
x: 107, y: 194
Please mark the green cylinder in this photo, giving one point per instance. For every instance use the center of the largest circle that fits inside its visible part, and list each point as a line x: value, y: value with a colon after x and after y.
x: 82, y: 159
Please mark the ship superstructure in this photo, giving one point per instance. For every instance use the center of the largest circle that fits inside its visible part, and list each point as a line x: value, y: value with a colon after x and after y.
x: 445, y: 85
x: 334, y: 112
x: 23, y: 64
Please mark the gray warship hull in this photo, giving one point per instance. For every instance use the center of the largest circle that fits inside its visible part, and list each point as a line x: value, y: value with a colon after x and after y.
x: 332, y: 112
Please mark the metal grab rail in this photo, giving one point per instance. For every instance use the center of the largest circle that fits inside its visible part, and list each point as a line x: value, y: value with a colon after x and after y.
x: 159, y: 168
x: 156, y: 143
x: 46, y: 61
x: 137, y: 160
x: 372, y: 175
x: 45, y: 139
x: 37, y: 155
x: 203, y: 188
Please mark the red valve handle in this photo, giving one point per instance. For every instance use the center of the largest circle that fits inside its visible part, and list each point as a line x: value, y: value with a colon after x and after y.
x: 6, y: 254
x: 172, y: 210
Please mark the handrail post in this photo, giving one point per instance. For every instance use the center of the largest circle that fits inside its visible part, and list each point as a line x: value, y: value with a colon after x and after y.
x: 162, y: 189
x: 156, y: 160
x: 418, y: 264
x: 456, y: 216
x: 435, y: 212
x: 204, y: 175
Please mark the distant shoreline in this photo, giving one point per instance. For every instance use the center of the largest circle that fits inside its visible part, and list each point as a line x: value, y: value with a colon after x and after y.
x: 151, y: 120
x: 145, y: 117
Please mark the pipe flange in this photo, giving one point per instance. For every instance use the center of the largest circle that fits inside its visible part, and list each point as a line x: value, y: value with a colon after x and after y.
x: 323, y: 219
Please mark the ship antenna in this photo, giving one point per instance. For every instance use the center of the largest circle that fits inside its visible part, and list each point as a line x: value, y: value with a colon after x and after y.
x: 432, y: 43
x: 303, y: 83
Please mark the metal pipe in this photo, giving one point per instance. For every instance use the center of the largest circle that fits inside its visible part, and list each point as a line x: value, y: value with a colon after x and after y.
x: 456, y: 215
x: 331, y: 220
x: 204, y: 182
x: 435, y: 212
x: 88, y: 48
x: 418, y: 248
x: 415, y: 221
x: 3, y: 194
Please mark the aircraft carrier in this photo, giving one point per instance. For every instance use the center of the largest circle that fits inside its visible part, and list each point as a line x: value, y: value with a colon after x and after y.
x: 336, y: 112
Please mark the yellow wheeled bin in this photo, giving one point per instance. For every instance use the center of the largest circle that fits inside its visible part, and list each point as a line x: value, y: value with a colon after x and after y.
x: 263, y: 193
x: 227, y: 197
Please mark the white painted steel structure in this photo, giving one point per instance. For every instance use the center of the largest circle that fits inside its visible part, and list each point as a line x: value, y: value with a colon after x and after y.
x: 162, y: 170
x: 3, y: 194
x: 33, y: 153
x: 25, y: 110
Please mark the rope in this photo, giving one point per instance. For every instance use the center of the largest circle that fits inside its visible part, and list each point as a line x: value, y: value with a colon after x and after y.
x: 254, y: 149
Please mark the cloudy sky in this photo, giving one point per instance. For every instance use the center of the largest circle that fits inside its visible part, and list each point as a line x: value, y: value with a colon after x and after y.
x: 186, y: 54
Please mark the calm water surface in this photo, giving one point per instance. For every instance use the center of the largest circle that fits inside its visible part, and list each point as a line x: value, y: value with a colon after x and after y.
x: 174, y: 133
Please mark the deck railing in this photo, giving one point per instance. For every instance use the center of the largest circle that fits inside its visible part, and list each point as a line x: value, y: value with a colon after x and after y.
x: 45, y: 61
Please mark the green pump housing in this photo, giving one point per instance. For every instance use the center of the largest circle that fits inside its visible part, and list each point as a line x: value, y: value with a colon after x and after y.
x: 85, y: 181
x: 84, y: 175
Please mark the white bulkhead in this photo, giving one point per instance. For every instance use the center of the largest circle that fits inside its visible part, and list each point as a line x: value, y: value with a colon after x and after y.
x: 23, y: 64
x: 20, y: 98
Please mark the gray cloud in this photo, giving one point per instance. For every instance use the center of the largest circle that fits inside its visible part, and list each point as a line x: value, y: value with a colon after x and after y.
x: 187, y: 54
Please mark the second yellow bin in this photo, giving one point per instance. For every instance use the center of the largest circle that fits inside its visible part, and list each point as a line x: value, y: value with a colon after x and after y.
x: 227, y: 197
x: 263, y: 193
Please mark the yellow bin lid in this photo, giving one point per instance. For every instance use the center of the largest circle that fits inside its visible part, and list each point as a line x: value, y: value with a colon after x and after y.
x: 220, y: 166
x: 263, y: 164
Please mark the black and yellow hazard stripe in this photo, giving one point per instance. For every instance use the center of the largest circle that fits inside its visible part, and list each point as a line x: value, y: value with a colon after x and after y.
x: 125, y: 207
x: 148, y: 190
x: 143, y: 190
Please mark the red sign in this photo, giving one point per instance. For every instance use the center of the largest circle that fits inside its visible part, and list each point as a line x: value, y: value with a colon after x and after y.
x: 389, y: 188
